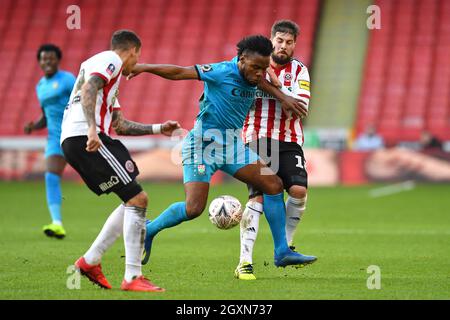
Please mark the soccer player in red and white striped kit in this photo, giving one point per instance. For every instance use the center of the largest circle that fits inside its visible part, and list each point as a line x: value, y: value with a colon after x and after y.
x: 277, y: 133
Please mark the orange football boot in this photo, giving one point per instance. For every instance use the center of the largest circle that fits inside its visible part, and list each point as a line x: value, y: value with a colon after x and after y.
x: 93, y: 273
x: 140, y: 284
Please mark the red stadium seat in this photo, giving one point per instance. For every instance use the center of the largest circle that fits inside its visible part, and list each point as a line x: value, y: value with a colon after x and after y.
x: 408, y: 62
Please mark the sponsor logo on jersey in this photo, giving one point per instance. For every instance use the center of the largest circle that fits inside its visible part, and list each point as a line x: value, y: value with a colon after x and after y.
x: 243, y: 93
x: 110, y: 70
x: 206, y: 68
x: 129, y: 165
x: 263, y: 94
x: 305, y: 85
x: 108, y: 185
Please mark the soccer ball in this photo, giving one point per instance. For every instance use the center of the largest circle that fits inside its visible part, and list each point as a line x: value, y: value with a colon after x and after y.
x: 225, y: 212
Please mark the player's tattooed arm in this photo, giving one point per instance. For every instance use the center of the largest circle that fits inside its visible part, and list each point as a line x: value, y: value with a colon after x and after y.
x: 167, y: 71
x: 288, y: 103
x: 37, y: 125
x: 88, y: 101
x: 89, y: 97
x: 126, y: 127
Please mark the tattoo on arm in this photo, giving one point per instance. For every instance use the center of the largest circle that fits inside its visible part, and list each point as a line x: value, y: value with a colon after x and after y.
x: 126, y: 127
x: 89, y: 97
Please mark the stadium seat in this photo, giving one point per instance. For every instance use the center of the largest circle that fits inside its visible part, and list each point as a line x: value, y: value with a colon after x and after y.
x: 406, y: 82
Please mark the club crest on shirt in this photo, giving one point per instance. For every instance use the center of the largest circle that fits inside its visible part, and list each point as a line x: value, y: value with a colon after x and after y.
x: 288, y: 76
x: 111, y: 68
x: 201, y: 168
x: 55, y: 85
x: 206, y: 67
x: 129, y: 165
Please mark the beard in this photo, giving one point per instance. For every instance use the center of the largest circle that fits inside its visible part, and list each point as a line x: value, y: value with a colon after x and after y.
x: 281, y: 61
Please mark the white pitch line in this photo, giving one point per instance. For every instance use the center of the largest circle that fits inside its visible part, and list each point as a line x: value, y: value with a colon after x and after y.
x: 392, y: 189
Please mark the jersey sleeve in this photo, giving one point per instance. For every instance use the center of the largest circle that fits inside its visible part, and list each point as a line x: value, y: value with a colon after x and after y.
x: 107, y: 66
x: 213, y: 73
x: 301, y: 87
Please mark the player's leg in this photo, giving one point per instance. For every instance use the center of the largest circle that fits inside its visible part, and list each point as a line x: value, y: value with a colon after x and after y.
x: 249, y: 227
x: 134, y: 236
x: 275, y: 212
x: 196, y: 198
x: 196, y: 187
x: 111, y: 231
x: 245, y: 166
x: 134, y: 211
x: 55, y: 164
x: 111, y: 169
x: 293, y: 173
x: 95, y: 172
x: 273, y: 203
x: 295, y: 207
x: 274, y: 209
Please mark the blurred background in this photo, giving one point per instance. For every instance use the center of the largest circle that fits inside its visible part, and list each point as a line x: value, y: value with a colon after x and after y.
x: 380, y: 102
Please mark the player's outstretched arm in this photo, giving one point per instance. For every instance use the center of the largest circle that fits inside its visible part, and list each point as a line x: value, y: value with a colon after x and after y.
x: 167, y: 71
x: 32, y: 126
x: 288, y: 103
x: 88, y: 100
x: 126, y: 127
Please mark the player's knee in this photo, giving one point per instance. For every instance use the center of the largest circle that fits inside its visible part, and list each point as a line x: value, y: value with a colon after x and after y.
x: 274, y: 185
x: 194, y: 209
x: 140, y: 200
x: 298, y: 192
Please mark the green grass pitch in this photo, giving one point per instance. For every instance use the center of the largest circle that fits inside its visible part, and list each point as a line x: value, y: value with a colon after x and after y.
x: 406, y: 234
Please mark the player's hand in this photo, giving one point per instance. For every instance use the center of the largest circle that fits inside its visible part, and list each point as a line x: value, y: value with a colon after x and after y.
x: 273, y: 78
x: 28, y: 127
x: 169, y: 127
x: 138, y: 68
x: 93, y: 143
x: 296, y: 106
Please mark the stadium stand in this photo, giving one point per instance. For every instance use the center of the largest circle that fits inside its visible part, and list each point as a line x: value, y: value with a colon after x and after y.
x: 172, y: 31
x: 406, y: 85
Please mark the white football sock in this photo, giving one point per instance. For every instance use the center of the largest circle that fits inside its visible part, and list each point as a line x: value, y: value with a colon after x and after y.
x: 249, y: 230
x: 111, y: 230
x: 134, y: 236
x: 294, y: 212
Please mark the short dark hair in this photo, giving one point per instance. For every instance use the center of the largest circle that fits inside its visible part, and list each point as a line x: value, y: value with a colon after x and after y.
x: 48, y: 47
x: 255, y: 44
x: 124, y: 40
x: 285, y: 26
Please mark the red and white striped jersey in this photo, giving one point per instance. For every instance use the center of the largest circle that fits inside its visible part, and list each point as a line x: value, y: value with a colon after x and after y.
x: 266, y: 117
x: 108, y: 66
